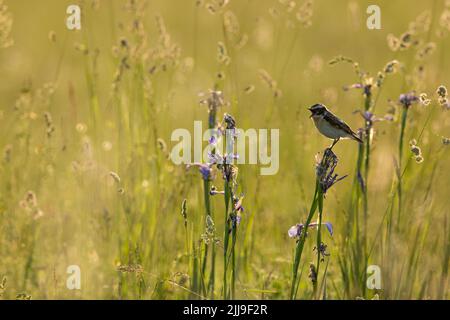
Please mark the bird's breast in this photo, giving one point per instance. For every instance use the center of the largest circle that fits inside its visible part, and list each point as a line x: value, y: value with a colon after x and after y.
x: 326, y: 128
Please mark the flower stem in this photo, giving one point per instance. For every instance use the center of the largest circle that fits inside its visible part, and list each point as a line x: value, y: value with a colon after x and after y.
x: 400, y: 155
x: 319, y: 236
x: 226, y: 237
x: 300, y: 244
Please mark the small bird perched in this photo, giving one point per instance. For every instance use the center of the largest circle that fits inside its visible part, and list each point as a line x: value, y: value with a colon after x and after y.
x: 331, y: 126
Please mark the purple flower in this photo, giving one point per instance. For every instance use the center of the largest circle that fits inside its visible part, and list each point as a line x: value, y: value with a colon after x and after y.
x: 216, y: 158
x: 238, y: 204
x: 329, y: 227
x: 408, y: 99
x: 213, y: 140
x: 204, y: 168
x: 236, y: 219
x: 325, y: 170
x: 296, y: 231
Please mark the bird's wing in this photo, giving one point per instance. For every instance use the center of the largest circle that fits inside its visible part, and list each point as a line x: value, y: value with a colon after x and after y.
x: 338, y: 122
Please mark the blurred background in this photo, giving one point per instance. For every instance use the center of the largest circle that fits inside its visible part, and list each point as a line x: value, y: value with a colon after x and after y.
x: 86, y: 118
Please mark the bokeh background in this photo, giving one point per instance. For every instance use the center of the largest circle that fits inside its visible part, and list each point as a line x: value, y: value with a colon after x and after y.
x: 78, y: 105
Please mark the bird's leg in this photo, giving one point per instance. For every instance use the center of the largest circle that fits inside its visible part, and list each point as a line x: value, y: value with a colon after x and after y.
x: 334, y: 142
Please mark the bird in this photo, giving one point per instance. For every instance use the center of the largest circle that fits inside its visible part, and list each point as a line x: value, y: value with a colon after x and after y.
x: 330, y: 125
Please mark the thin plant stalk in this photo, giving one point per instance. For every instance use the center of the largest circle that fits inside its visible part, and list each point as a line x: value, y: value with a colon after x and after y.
x: 364, y: 189
x: 301, y: 243
x: 226, y: 237
x: 233, y: 261
x: 400, y: 155
x: 319, y: 235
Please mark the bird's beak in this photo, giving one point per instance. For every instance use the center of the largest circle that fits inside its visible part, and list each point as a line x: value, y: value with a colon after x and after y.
x: 311, y: 112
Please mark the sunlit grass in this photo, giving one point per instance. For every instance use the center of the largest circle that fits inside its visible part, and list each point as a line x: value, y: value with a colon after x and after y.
x: 86, y: 177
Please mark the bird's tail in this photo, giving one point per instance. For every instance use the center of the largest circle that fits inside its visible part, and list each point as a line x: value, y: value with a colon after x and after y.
x: 356, y: 137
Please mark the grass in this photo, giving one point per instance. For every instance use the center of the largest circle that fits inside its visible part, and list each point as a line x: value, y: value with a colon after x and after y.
x: 86, y: 177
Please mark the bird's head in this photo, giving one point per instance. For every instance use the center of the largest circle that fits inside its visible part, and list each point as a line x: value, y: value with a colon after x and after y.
x: 317, y: 110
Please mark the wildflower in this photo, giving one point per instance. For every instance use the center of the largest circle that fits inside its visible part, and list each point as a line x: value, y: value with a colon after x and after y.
x: 367, y: 83
x: 325, y: 170
x: 296, y: 231
x: 414, y: 148
x: 369, y: 117
x: 442, y: 97
x: 237, y: 203
x: 204, y: 168
x: 235, y: 220
x: 213, y: 101
x: 225, y: 162
x: 423, y: 98
x: 229, y: 171
x: 322, y: 251
x: 217, y: 159
x: 416, y: 151
x: 408, y: 99
x: 405, y: 40
x: 229, y: 121
x: 442, y: 91
x: 210, y: 231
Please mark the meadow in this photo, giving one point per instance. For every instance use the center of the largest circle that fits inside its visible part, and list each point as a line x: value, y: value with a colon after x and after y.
x: 87, y: 180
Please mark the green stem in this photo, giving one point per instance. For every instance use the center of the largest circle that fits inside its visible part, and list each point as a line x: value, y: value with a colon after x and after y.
x: 233, y: 261
x: 300, y: 244
x: 400, y: 156
x: 226, y: 237
x: 208, y: 213
x: 319, y: 236
x: 368, y: 129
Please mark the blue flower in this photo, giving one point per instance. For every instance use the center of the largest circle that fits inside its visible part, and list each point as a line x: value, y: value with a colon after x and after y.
x: 204, y: 168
